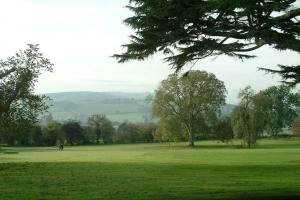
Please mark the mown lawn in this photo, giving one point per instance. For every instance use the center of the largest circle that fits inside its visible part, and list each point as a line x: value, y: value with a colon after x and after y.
x: 211, y: 170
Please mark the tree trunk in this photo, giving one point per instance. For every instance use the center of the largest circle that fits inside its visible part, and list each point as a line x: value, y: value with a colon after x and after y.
x: 98, y: 134
x: 190, y: 133
x: 191, y: 139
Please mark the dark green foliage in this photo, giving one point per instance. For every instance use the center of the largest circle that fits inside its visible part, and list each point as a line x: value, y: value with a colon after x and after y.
x: 102, y: 128
x: 19, y: 106
x: 127, y: 133
x: 224, y: 130
x: 7, y: 137
x: 52, y: 133
x: 73, y: 132
x: 147, y: 131
x: 107, y: 132
x: 135, y: 133
x: 290, y: 74
x: 36, y: 135
x: 190, y: 30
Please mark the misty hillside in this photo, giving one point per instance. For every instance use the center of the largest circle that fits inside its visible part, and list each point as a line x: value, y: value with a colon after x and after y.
x: 117, y: 106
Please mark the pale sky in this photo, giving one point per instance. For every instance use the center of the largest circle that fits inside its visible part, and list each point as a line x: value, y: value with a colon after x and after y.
x: 79, y: 36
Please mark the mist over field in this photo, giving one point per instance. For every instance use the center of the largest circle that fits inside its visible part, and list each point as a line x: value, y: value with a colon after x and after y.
x: 117, y: 106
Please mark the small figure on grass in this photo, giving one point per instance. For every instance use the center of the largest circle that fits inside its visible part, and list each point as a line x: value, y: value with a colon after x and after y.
x: 61, y: 147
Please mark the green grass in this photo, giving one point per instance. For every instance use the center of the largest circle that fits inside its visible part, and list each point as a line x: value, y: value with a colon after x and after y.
x: 211, y: 170
x: 130, y: 117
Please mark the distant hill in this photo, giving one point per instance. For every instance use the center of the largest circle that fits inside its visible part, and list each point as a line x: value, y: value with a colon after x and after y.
x: 117, y: 106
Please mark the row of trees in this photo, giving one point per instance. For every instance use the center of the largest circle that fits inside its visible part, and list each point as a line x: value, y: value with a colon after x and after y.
x: 188, y: 106
x: 99, y: 130
x: 264, y: 113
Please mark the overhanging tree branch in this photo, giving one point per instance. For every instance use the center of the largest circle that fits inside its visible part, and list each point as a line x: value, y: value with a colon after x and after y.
x: 7, y: 72
x: 195, y: 30
x: 289, y: 15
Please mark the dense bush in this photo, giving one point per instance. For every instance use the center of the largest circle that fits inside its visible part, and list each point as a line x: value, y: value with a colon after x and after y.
x: 135, y: 133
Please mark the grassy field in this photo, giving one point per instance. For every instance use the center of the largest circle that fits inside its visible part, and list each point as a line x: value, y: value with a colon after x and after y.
x: 211, y: 170
x: 130, y: 117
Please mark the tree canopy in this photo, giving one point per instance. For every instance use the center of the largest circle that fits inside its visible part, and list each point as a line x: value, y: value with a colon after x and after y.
x: 190, y: 30
x: 265, y: 112
x: 73, y: 132
x: 245, y: 120
x: 279, y: 107
x: 193, y: 100
x: 18, y: 76
x: 102, y: 128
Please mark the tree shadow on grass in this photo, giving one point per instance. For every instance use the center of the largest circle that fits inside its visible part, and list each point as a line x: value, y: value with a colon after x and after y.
x: 277, y: 146
x: 239, y: 197
x: 135, y: 181
x: 222, y: 146
x: 201, y: 146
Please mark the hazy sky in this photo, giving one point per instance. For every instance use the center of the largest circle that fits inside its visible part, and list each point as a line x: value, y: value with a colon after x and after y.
x: 79, y: 36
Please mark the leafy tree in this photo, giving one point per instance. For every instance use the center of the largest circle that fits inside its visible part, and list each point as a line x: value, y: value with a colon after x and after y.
x: 278, y: 106
x: 192, y: 100
x: 108, y: 132
x: 96, y: 121
x: 36, y: 135
x: 7, y: 137
x: 246, y: 119
x: 190, y: 30
x: 102, y: 128
x: 170, y: 130
x: 127, y: 133
x: 73, y: 132
x: 52, y: 133
x: 18, y: 76
x: 146, y: 132
x: 224, y: 130
x: 89, y: 136
x: 19, y: 134
x: 135, y: 133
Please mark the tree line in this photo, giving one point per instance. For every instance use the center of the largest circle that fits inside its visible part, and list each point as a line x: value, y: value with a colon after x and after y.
x: 191, y: 104
x: 187, y: 108
x: 98, y: 130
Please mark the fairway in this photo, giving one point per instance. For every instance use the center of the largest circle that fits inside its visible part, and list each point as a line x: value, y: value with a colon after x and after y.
x: 211, y: 170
